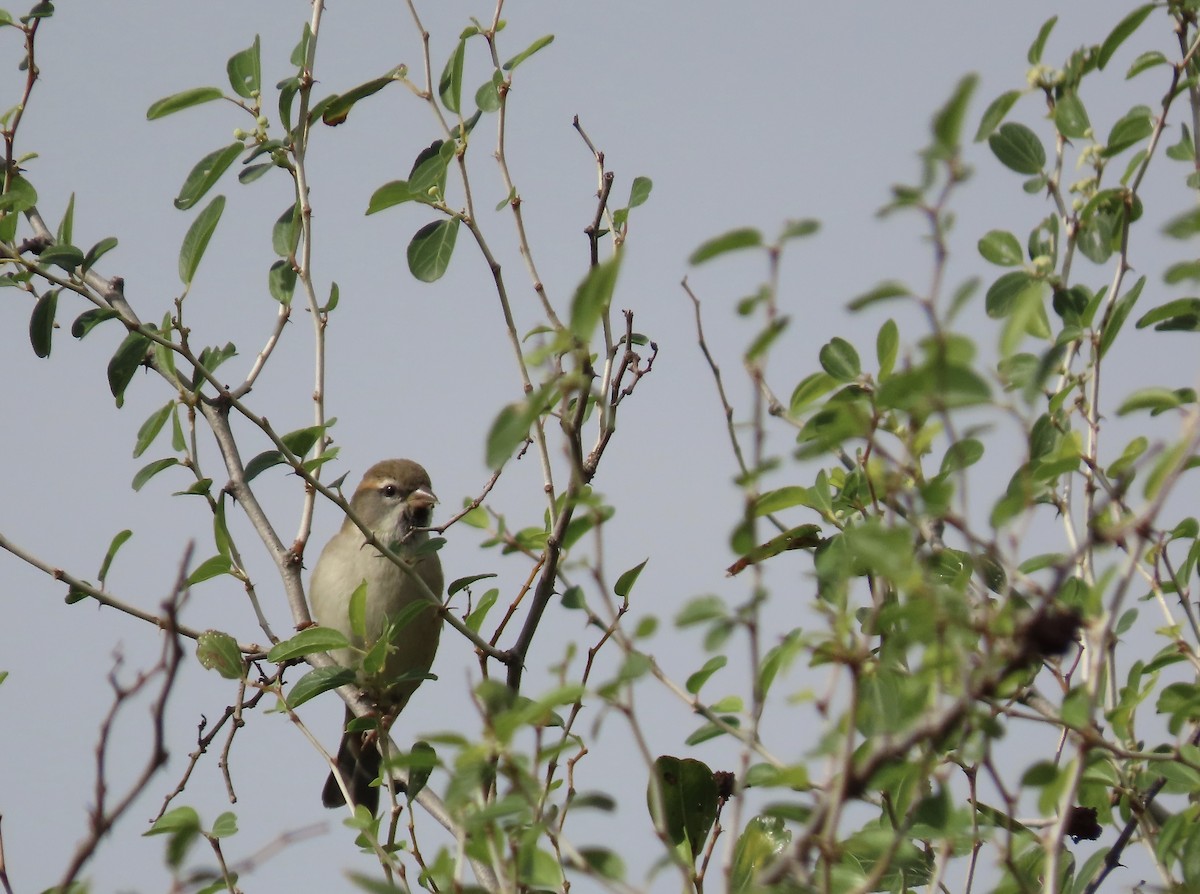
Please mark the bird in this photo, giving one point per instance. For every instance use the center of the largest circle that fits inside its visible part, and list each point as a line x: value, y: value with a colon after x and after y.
x: 395, y: 500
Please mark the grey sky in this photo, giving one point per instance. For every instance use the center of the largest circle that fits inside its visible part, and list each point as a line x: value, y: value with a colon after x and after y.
x: 742, y: 114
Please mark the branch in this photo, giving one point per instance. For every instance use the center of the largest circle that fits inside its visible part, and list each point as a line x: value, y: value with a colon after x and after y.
x: 102, y: 817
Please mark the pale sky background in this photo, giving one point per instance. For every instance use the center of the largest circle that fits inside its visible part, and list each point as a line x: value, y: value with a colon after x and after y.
x: 742, y: 114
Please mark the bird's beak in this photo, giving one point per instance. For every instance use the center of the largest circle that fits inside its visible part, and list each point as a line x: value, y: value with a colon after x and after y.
x: 421, y: 499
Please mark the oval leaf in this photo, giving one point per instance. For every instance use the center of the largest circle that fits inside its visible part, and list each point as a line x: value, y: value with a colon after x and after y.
x: 205, y: 174
x: 1018, y: 148
x: 308, y: 642
x: 316, y: 681
x: 245, y: 71
x: 593, y: 297
x: 1124, y: 28
x: 210, y: 568
x: 394, y: 193
x: 219, y: 651
x: 41, y: 323
x: 839, y: 358
x: 183, y: 100
x: 430, y: 249
x: 125, y: 362
x: 196, y: 240
x: 734, y: 240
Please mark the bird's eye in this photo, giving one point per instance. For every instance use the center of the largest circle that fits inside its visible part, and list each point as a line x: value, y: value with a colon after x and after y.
x: 390, y: 490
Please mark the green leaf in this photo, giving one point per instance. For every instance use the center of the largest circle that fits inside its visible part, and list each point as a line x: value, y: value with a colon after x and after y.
x: 683, y: 801
x: 763, y: 841
x: 308, y: 642
x: 538, y: 44
x: 1136, y: 126
x: 1003, y: 294
x: 800, y: 537
x: 809, y: 389
x: 430, y: 249
x: 1123, y: 30
x: 281, y: 281
x: 302, y: 440
x: 151, y: 427
x: 487, y: 97
x: 1018, y: 148
x: 593, y: 297
x: 885, y: 291
x: 356, y: 611
x: 606, y: 864
x: 1001, y: 247
x: 245, y: 71
x: 639, y: 191
x: 947, y: 123
x: 697, y: 680
x: 427, y: 177
x: 97, y: 251
x: 627, y: 579
x: 734, y: 240
x: 334, y: 295
x: 1154, y: 399
x: 66, y: 228
x: 887, y: 346
x: 511, y: 427
x: 1116, y: 317
x: 839, y: 358
x: 117, y: 542
x: 90, y: 319
x: 1070, y: 117
x: 265, y: 460
x: 477, y: 616
x: 766, y: 338
x: 250, y: 173
x: 781, y: 498
x: 130, y: 355
x: 537, y: 869
x: 1095, y: 238
x: 185, y: 100
x: 219, y: 651
x: 211, y: 359
x: 299, y: 55
x: 221, y: 536
x: 1039, y: 43
x: 225, y: 826
x: 1027, y: 317
x: 316, y: 681
x: 1182, y: 314
x: 394, y: 193
x: 205, y: 174
x: 1147, y: 60
x: 41, y: 322
x: 67, y: 257
x: 210, y: 568
x: 927, y: 389
x: 338, y: 107
x: 21, y: 195
x: 962, y: 454
x: 463, y: 582
x: 182, y: 825
x: 995, y: 113
x: 181, y: 819
x: 450, y: 84
x: 286, y: 232
x: 1184, y: 225
x: 196, y: 240
x: 420, y: 763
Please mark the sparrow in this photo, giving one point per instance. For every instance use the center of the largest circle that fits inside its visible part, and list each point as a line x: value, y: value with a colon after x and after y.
x: 395, y: 500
